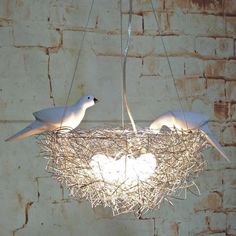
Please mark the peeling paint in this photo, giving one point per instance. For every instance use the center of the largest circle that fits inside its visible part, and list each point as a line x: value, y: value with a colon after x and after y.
x: 198, y: 3
x: 222, y: 109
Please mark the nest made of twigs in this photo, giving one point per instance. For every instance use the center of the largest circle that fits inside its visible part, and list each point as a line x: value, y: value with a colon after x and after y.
x: 177, y: 155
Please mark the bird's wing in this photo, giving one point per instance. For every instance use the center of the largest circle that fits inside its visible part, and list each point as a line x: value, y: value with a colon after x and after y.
x: 52, y: 115
x: 213, y: 141
x: 193, y: 119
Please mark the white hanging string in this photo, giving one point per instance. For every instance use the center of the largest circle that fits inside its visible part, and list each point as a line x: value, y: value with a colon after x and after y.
x: 77, y: 60
x: 125, y: 54
x: 121, y: 53
x: 168, y: 60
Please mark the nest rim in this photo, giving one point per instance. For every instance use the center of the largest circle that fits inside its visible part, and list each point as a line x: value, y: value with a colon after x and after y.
x: 178, y: 155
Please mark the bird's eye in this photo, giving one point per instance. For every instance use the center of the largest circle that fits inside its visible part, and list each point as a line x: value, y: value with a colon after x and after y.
x: 88, y: 97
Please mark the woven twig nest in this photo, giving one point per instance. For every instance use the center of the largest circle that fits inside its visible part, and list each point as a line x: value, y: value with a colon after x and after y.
x: 123, y: 170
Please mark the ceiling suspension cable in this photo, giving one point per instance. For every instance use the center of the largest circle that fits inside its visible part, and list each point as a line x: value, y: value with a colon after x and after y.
x: 168, y: 60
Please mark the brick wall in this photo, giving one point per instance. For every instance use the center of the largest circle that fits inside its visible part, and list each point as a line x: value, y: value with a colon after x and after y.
x: 39, y: 43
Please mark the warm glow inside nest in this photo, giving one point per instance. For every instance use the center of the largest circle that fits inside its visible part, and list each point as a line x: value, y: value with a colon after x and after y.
x: 122, y: 170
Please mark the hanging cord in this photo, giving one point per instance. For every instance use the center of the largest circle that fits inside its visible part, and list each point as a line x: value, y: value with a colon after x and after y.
x: 77, y: 60
x: 121, y: 53
x: 168, y: 61
x: 124, y: 68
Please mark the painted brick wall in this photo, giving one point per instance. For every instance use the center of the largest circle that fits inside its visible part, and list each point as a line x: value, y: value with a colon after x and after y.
x: 39, y: 43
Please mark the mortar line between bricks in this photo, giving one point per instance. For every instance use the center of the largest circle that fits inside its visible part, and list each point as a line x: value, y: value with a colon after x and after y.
x: 184, y: 11
x: 161, y: 55
x: 139, y: 33
x: 27, y: 207
x: 154, y: 226
x: 50, y: 82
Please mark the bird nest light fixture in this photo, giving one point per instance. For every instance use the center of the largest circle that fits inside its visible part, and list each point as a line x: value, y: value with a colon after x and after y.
x: 125, y: 171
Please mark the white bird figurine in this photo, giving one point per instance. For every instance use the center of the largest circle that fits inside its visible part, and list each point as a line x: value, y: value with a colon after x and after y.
x: 54, y: 118
x: 186, y: 120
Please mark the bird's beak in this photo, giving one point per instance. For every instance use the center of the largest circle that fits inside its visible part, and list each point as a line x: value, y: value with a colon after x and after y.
x: 95, y: 100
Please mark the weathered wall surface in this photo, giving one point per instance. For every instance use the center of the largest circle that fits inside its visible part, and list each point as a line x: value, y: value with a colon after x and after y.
x: 39, y: 43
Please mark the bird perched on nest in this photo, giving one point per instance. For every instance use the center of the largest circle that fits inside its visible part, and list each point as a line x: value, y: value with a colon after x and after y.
x: 64, y: 119
x: 184, y: 120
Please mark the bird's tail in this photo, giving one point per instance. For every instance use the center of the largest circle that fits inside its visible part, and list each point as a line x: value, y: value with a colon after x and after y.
x: 35, y: 127
x: 213, y: 141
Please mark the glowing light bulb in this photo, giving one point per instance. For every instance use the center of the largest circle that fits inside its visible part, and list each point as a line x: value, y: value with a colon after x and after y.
x: 127, y: 169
